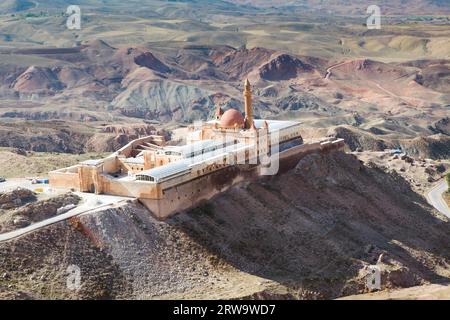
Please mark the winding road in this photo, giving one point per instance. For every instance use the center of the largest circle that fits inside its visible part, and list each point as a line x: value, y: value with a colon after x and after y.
x: 434, y: 197
x: 388, y: 92
x: 330, y: 68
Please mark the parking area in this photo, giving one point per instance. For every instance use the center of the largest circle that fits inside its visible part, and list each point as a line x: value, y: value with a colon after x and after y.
x: 11, y: 184
x: 42, y: 190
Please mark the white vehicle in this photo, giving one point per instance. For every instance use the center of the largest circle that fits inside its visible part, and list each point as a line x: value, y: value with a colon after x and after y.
x: 65, y: 209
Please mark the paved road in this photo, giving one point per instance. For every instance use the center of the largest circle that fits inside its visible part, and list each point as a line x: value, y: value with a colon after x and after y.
x: 434, y: 197
x: 90, y: 203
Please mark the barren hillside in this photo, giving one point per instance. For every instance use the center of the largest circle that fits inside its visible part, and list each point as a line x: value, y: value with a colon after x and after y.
x: 355, y: 7
x: 308, y: 233
x: 96, y: 85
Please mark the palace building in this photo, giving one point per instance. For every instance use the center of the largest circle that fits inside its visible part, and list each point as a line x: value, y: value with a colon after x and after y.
x: 166, y: 179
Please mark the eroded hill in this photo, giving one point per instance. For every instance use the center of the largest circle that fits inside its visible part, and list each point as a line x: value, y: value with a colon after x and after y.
x: 96, y: 85
x: 173, y: 62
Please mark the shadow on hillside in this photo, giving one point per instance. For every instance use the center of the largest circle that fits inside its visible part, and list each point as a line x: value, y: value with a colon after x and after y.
x: 303, y: 233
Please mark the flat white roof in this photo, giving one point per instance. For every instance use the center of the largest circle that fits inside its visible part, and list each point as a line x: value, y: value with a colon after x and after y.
x: 195, y: 147
x: 182, y: 165
x: 276, y: 124
x: 92, y: 162
x: 137, y: 160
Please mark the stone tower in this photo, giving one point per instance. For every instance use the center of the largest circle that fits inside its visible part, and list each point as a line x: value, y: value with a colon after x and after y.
x: 248, y: 105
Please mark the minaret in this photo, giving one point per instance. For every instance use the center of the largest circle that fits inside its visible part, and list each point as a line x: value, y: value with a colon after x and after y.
x: 218, y: 113
x: 248, y: 105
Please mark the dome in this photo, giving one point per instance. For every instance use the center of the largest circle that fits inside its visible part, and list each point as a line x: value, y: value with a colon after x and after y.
x: 230, y: 118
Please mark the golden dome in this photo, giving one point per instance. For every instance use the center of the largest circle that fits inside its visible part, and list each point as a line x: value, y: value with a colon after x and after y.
x: 231, y: 119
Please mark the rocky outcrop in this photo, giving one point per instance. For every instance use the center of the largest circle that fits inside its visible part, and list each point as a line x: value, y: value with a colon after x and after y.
x: 358, y: 140
x: 303, y: 102
x: 23, y: 209
x: 442, y: 126
x: 37, y: 79
x: 148, y: 60
x: 16, y: 198
x: 163, y: 100
x: 434, y: 147
x: 239, y: 63
x: 45, y: 209
x: 114, y: 137
x: 283, y: 67
x: 72, y: 77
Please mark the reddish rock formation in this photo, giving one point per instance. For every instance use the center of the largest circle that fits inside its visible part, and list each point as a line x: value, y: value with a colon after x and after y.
x: 283, y: 67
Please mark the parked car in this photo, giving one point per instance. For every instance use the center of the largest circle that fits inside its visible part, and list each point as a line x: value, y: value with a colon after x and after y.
x: 2, y: 179
x: 39, y: 181
x: 396, y: 151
